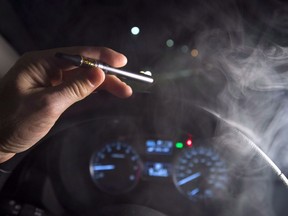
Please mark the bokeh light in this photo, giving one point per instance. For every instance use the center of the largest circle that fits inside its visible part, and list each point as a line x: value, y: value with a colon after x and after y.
x: 170, y: 43
x: 194, y: 53
x: 185, y: 49
x: 135, y: 30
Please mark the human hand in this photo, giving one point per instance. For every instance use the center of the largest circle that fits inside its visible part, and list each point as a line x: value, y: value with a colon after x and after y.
x: 40, y: 87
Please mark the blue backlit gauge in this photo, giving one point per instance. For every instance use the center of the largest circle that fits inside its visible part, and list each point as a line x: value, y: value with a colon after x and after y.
x: 116, y: 168
x: 199, y: 173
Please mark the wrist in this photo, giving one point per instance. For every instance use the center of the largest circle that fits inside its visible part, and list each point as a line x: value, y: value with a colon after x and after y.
x: 4, y: 156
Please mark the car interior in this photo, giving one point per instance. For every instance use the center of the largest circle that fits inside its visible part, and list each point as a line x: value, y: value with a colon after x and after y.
x: 207, y: 137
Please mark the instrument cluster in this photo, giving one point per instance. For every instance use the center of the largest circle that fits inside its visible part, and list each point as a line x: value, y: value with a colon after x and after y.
x: 196, y: 169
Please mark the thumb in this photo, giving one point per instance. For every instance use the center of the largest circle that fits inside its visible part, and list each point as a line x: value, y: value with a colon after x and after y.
x: 78, y: 86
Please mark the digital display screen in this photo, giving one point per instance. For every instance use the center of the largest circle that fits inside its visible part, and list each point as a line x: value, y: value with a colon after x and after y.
x: 159, y: 146
x: 157, y: 169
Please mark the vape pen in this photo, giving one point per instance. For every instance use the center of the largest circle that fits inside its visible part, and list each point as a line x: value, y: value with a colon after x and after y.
x: 82, y: 61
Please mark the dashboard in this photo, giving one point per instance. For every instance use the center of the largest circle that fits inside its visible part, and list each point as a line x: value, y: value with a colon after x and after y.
x: 144, y: 156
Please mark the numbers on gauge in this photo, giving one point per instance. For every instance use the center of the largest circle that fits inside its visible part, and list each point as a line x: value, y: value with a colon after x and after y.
x: 200, y: 173
x: 116, y: 168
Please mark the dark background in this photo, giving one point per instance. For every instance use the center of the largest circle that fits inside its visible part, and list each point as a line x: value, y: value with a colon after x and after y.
x: 41, y: 24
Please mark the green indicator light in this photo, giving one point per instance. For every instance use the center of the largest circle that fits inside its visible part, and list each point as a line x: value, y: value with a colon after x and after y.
x: 179, y: 145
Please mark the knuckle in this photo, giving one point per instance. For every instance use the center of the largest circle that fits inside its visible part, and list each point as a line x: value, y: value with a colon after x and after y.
x: 80, y: 90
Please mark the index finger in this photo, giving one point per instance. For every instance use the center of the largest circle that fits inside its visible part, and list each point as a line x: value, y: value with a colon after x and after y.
x: 103, y: 54
x: 48, y: 60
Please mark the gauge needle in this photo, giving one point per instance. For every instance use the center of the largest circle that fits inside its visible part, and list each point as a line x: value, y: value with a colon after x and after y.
x: 189, y: 178
x: 104, y: 167
x: 194, y: 192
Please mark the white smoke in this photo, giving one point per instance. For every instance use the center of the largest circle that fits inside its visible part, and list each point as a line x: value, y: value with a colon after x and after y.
x: 252, y: 99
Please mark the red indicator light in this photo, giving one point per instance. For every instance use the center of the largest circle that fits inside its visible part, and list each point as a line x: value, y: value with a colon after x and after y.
x: 189, y: 142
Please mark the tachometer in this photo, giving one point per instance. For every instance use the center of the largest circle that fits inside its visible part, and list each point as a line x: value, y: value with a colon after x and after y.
x: 200, y: 173
x: 116, y: 168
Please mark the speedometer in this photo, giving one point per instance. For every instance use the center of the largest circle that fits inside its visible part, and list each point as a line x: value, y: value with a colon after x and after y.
x: 199, y: 173
x: 116, y: 168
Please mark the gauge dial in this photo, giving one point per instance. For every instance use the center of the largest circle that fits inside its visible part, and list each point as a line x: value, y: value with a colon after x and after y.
x: 199, y: 173
x: 116, y: 168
